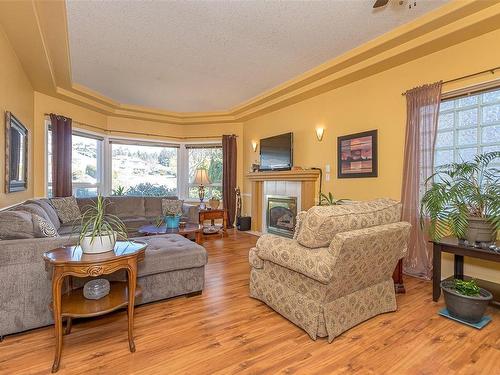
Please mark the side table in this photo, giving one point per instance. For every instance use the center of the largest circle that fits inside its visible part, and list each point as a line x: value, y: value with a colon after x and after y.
x: 459, y: 250
x: 71, y: 261
x: 213, y: 214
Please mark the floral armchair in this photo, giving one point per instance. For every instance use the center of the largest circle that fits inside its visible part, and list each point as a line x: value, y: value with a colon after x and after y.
x: 337, y: 270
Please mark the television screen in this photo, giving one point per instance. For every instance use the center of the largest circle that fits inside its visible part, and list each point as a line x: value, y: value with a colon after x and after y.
x: 276, y: 152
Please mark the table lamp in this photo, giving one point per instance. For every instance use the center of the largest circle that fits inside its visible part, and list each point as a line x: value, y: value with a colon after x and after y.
x: 201, y: 179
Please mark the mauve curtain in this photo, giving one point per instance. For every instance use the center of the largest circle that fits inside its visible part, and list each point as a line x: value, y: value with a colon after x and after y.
x: 229, y: 176
x: 422, y: 105
x: 61, y: 156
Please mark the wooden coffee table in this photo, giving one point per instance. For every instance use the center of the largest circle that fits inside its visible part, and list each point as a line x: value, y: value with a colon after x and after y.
x: 196, y: 229
x: 70, y: 261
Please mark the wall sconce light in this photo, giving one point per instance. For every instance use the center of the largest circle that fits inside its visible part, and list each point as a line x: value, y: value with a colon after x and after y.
x: 254, y: 146
x: 319, y: 133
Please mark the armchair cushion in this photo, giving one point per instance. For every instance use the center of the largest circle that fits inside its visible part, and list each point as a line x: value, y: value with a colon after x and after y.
x: 322, y: 223
x: 288, y: 253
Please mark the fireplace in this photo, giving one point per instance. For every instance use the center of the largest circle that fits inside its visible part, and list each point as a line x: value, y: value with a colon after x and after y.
x: 281, y: 215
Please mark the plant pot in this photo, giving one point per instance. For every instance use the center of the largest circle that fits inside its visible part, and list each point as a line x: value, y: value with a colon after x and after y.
x: 480, y: 230
x: 172, y: 222
x: 100, y: 244
x: 214, y: 203
x: 468, y: 308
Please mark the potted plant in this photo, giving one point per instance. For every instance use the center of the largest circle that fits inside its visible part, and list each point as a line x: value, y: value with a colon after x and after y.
x: 214, y: 201
x: 99, y: 231
x: 464, y: 200
x: 465, y: 300
x: 172, y: 218
x: 329, y: 200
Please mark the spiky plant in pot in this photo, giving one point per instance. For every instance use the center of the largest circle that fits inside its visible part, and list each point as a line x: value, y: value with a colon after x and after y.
x: 99, y: 230
x: 464, y: 200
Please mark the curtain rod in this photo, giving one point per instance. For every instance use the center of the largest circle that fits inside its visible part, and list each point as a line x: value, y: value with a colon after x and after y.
x: 146, y: 134
x: 492, y: 71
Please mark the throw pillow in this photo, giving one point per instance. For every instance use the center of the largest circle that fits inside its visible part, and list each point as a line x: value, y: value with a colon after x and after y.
x: 43, y: 228
x: 171, y: 206
x: 15, y: 225
x: 33, y: 209
x: 67, y: 209
x: 49, y: 209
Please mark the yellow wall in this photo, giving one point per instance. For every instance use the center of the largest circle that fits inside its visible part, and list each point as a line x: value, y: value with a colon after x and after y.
x: 372, y: 103
x: 16, y: 96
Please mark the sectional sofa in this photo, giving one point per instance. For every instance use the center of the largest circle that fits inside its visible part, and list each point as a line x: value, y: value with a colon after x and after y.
x: 173, y: 265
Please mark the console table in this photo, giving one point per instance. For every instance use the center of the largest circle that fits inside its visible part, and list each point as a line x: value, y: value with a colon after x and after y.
x: 452, y: 246
x: 71, y: 261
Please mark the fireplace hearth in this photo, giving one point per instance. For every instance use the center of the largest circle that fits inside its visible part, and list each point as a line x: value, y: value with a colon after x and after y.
x: 281, y: 215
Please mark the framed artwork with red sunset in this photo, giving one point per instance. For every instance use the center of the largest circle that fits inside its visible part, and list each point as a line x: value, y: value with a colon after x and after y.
x: 357, y: 155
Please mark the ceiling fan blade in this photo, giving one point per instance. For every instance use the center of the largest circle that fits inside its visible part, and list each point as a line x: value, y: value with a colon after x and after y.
x: 380, y: 3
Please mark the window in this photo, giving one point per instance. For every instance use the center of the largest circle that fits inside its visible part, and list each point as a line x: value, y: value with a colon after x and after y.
x: 209, y: 157
x: 86, y: 164
x: 468, y: 126
x: 143, y: 169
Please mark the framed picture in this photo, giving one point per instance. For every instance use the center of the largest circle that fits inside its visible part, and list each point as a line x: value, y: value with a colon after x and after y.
x: 357, y: 155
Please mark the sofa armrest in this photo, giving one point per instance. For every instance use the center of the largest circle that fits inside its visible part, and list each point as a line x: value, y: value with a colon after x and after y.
x: 254, y: 259
x: 288, y: 253
x: 191, y: 213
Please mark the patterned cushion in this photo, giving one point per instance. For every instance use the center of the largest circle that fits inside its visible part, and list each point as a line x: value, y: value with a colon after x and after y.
x: 49, y: 209
x: 288, y: 253
x: 15, y: 225
x: 321, y: 223
x: 33, y: 209
x: 43, y: 228
x: 67, y: 209
x: 171, y: 206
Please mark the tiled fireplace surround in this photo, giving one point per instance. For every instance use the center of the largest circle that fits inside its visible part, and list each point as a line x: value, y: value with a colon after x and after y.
x: 299, y: 185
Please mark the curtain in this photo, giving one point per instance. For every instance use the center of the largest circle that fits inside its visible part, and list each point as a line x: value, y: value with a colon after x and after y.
x: 229, y: 176
x: 422, y: 104
x: 61, y: 156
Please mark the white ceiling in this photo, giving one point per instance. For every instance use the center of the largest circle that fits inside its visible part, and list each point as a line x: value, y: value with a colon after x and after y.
x: 197, y: 56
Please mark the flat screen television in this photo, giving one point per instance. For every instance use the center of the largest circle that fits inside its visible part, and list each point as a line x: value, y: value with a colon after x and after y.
x: 276, y: 153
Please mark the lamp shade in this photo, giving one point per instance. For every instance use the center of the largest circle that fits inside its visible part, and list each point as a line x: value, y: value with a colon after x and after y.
x: 201, y: 177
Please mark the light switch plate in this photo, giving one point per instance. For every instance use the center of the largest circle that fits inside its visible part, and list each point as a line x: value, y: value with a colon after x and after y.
x: 327, y: 177
x: 327, y: 168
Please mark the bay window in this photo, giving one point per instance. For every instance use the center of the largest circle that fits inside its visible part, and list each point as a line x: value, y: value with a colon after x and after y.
x: 208, y: 156
x: 143, y: 169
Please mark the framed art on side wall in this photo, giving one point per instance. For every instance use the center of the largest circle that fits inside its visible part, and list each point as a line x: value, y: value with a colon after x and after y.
x: 357, y: 155
x: 16, y: 154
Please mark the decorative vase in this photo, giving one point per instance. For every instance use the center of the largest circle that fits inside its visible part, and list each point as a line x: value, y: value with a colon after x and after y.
x: 96, y: 289
x: 468, y: 308
x: 214, y: 203
x: 98, y: 244
x: 172, y: 222
x: 480, y: 230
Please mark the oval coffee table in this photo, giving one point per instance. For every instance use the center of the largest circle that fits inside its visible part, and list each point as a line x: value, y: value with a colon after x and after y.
x: 188, y: 229
x: 71, y: 261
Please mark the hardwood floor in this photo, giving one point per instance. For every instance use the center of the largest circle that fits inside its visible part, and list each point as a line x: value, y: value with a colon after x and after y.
x: 223, y: 331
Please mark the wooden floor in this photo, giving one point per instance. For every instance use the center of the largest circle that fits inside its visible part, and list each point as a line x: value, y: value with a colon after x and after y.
x: 224, y: 331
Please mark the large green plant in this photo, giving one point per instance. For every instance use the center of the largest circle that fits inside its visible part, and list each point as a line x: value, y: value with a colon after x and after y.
x: 460, y: 191
x: 96, y: 222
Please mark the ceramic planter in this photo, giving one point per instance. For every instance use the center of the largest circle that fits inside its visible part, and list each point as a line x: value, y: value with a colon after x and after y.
x: 468, y: 308
x: 100, y: 244
x: 172, y: 222
x: 480, y: 230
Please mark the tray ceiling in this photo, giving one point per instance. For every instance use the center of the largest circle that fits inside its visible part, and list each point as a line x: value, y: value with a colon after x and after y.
x: 214, y: 55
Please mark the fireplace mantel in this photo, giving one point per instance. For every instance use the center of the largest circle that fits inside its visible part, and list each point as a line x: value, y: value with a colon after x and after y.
x: 307, y: 179
x: 297, y: 175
